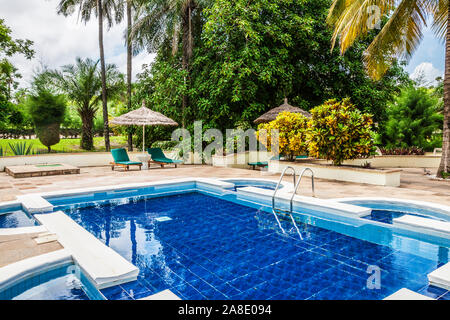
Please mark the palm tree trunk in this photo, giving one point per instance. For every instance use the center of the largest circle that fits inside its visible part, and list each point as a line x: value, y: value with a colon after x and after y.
x: 445, y: 160
x: 129, y: 70
x: 187, y: 54
x: 103, y: 74
x: 87, y: 137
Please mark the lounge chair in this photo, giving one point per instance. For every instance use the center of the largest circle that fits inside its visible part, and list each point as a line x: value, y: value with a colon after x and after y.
x: 262, y: 164
x: 121, y: 159
x: 160, y: 158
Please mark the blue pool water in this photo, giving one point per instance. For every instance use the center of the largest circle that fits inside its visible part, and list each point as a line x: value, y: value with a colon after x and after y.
x: 387, y: 216
x: 205, y: 247
x: 60, y: 283
x: 16, y: 219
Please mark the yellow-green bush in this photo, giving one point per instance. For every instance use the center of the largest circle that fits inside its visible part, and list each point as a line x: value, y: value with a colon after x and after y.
x: 292, y: 128
x: 338, y: 131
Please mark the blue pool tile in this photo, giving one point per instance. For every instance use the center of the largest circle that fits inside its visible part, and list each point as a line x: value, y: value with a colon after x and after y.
x: 116, y: 293
x: 432, y: 291
x: 217, y: 249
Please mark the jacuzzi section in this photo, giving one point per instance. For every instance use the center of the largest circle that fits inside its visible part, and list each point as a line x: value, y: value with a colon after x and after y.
x: 52, y: 276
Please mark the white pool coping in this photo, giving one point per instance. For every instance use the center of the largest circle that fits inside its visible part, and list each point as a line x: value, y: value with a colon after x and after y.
x: 441, y: 277
x: 34, y: 203
x: 441, y: 208
x: 311, y: 202
x: 406, y: 294
x: 104, y: 266
x: 163, y: 295
x: 22, y: 230
x: 436, y: 227
x: 21, y: 270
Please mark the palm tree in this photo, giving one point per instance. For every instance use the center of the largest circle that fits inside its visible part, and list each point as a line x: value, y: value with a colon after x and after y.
x: 82, y: 84
x: 109, y: 10
x: 399, y: 37
x: 129, y: 65
x: 161, y: 21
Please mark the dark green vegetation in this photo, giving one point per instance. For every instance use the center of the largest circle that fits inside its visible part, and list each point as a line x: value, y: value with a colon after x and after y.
x: 226, y: 62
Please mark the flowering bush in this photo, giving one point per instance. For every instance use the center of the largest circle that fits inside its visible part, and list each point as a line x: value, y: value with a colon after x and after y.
x: 292, y: 130
x: 338, y: 131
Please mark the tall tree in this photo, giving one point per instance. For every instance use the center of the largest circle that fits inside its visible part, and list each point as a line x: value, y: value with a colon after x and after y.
x: 82, y: 84
x: 399, y: 37
x: 109, y: 10
x: 129, y: 65
x: 160, y: 22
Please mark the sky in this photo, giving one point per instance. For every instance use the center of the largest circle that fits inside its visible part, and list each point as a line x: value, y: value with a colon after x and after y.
x: 59, y: 40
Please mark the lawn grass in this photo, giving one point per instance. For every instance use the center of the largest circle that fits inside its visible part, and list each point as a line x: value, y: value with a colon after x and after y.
x: 65, y: 145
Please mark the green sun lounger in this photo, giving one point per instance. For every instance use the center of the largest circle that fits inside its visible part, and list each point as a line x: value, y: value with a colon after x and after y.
x: 160, y: 158
x: 121, y: 159
x: 262, y: 164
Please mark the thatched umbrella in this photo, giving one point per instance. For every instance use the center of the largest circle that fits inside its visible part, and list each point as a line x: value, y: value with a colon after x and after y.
x: 273, y: 113
x: 143, y: 117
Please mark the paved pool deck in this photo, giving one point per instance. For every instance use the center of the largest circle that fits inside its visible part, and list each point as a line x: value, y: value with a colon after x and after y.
x: 414, y: 184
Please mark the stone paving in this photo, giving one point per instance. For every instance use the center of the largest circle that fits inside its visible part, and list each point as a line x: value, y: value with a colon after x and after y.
x: 414, y: 184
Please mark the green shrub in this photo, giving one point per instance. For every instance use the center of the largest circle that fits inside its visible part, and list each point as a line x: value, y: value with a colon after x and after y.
x: 47, y: 111
x: 338, y: 131
x: 413, y: 120
x: 292, y: 130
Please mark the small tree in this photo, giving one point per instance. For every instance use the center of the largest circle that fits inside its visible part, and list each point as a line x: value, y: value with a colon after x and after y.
x: 292, y: 130
x: 414, y: 120
x: 339, y: 131
x: 47, y: 111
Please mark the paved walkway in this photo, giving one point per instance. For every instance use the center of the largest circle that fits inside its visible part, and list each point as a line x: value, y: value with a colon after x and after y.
x: 414, y: 185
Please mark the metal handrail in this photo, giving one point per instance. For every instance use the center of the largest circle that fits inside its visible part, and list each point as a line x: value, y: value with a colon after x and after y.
x: 298, y: 184
x: 279, y: 182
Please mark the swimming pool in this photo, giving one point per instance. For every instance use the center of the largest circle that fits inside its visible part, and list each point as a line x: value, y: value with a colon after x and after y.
x: 206, y: 245
x: 64, y: 282
x: 15, y: 217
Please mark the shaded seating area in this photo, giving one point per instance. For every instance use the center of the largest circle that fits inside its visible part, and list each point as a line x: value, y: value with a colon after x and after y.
x: 160, y: 158
x: 121, y: 159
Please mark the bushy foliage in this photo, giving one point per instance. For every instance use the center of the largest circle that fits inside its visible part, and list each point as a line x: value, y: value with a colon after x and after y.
x: 338, y: 131
x: 47, y: 111
x: 402, y: 151
x: 414, y: 120
x: 292, y: 133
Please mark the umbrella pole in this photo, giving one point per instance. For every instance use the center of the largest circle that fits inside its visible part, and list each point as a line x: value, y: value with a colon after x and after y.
x: 143, y: 139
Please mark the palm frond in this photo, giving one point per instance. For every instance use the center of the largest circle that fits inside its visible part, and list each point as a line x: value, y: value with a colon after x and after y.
x: 439, y: 10
x: 399, y: 38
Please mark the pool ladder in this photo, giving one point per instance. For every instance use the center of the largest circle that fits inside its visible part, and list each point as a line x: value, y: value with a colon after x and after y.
x: 276, y: 211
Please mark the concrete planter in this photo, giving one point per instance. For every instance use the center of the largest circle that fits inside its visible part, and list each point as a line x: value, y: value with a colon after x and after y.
x: 382, y: 177
x: 426, y: 161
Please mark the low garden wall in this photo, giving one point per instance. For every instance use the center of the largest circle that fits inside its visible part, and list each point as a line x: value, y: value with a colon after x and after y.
x: 240, y: 160
x: 382, y: 177
x: 426, y: 161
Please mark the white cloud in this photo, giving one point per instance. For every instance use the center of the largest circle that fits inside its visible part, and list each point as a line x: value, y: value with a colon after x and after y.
x: 426, y: 73
x: 59, y: 40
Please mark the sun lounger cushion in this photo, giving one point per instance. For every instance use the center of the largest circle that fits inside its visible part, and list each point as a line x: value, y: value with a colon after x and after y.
x: 120, y: 155
x: 159, y: 156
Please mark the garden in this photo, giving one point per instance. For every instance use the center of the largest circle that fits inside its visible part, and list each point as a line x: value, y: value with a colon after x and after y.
x: 225, y: 63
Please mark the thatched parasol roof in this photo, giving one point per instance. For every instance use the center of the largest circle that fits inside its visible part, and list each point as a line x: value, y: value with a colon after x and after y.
x: 144, y: 117
x: 273, y: 113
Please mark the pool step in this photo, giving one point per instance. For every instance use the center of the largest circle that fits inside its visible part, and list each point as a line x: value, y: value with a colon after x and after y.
x: 441, y: 277
x: 103, y: 265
